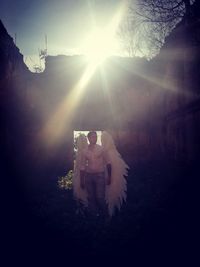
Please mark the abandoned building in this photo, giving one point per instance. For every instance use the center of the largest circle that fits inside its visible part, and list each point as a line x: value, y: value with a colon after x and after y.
x: 151, y: 108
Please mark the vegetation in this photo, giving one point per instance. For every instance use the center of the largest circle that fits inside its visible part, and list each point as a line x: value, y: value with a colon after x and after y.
x: 65, y: 182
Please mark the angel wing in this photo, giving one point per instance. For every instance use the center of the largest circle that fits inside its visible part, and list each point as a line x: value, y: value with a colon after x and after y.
x: 116, y: 191
x: 79, y: 194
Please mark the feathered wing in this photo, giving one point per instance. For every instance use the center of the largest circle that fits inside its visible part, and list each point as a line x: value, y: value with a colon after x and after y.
x: 79, y: 194
x: 116, y: 191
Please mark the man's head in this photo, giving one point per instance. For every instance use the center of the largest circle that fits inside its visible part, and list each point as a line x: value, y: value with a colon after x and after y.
x: 92, y: 137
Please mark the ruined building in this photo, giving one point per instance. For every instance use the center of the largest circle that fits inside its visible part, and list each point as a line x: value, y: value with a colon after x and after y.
x: 150, y: 107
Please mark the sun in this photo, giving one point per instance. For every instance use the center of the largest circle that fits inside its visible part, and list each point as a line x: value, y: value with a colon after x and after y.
x: 99, y: 45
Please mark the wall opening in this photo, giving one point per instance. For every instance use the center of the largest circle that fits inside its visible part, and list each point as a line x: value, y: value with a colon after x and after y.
x: 77, y: 133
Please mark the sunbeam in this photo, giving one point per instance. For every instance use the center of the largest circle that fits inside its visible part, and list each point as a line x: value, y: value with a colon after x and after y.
x: 106, y: 91
x: 167, y: 82
x: 61, y: 119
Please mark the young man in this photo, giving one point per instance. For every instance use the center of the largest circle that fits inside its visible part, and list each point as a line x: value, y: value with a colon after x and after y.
x: 94, y: 162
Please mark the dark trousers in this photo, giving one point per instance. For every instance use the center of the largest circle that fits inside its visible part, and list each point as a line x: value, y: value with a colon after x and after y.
x: 95, y: 186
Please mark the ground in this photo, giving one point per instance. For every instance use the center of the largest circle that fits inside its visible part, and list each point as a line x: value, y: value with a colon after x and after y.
x: 159, y: 217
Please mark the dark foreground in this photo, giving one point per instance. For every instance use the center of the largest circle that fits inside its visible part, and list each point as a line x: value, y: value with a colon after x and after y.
x: 158, y: 222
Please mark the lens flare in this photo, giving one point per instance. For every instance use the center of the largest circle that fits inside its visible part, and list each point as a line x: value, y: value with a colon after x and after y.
x: 102, y: 42
x: 98, y: 46
x: 62, y: 117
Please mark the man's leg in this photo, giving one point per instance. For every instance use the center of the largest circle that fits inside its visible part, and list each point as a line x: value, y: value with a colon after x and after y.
x: 100, y: 194
x: 90, y: 187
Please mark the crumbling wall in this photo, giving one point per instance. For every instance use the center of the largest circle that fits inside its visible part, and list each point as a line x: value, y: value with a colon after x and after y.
x: 179, y: 97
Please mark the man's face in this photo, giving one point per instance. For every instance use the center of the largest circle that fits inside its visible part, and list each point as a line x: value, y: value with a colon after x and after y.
x: 92, y: 139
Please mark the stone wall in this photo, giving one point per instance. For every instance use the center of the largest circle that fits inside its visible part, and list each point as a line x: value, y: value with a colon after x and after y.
x: 179, y: 97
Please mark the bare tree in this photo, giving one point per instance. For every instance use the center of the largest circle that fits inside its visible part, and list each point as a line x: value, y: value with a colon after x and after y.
x: 148, y: 22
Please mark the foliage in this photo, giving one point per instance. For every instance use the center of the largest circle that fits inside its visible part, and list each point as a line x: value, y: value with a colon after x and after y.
x: 65, y: 182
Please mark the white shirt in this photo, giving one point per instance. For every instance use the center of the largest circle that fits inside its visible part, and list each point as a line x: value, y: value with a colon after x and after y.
x: 94, y: 160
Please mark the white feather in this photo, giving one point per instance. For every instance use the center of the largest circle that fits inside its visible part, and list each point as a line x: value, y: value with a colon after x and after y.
x: 116, y: 191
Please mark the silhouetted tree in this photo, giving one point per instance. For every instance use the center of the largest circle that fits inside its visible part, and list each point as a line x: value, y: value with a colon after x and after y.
x: 148, y: 22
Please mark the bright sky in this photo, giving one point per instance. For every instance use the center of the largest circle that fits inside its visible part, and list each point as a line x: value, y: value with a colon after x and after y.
x: 66, y: 23
x: 77, y: 133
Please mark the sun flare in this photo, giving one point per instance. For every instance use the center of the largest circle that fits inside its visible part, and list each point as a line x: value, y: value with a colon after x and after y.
x: 102, y: 43
x: 99, y: 45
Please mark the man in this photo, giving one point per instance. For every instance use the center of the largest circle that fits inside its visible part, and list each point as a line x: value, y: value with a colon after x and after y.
x: 94, y: 161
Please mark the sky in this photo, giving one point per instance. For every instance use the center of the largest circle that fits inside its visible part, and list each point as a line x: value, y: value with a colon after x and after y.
x: 65, y: 22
